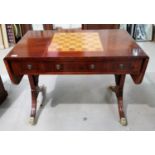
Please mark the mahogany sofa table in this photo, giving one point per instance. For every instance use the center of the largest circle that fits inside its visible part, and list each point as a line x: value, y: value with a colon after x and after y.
x: 77, y: 52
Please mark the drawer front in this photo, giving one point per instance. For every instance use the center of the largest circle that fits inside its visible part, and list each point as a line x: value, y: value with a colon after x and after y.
x: 31, y: 67
x: 77, y: 67
x: 125, y: 67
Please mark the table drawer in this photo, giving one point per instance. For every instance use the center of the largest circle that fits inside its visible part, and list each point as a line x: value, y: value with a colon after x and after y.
x: 77, y: 67
x: 125, y: 67
x: 32, y: 67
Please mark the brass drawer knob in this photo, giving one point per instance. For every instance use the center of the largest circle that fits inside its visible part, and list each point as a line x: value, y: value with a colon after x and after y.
x: 92, y: 66
x: 58, y: 66
x: 29, y: 66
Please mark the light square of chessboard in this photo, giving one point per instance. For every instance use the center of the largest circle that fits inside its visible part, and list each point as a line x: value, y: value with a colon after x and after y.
x: 75, y: 42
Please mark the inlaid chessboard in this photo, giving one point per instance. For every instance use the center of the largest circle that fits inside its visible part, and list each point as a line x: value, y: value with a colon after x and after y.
x: 75, y: 42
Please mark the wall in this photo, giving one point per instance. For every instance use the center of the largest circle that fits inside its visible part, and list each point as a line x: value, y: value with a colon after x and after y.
x: 67, y: 26
x: 37, y: 26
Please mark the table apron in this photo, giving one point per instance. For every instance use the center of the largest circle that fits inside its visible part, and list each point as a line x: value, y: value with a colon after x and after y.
x: 56, y: 67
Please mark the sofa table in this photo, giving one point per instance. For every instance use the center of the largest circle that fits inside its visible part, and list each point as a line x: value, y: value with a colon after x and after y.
x: 77, y: 52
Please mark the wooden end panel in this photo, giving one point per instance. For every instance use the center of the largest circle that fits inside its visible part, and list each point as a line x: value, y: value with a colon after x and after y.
x: 15, y: 78
x: 138, y: 78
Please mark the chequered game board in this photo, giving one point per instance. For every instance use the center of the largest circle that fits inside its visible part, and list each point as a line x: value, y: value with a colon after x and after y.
x: 75, y: 41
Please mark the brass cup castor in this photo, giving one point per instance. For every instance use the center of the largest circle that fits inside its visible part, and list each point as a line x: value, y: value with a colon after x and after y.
x: 32, y: 120
x: 123, y: 121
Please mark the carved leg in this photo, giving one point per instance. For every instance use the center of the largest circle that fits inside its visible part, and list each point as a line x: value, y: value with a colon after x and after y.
x: 118, y: 89
x: 33, y: 80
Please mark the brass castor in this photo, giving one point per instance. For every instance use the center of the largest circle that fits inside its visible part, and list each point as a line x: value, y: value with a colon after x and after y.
x: 123, y: 121
x: 32, y: 120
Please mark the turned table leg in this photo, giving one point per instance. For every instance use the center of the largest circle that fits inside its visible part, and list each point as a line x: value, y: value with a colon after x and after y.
x: 35, y: 89
x: 118, y: 89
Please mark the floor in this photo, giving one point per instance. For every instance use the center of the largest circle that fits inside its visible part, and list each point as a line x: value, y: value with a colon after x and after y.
x: 80, y: 102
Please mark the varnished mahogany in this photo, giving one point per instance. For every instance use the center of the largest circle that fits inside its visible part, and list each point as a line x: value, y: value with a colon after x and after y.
x: 3, y: 92
x: 121, y: 56
x: 99, y: 26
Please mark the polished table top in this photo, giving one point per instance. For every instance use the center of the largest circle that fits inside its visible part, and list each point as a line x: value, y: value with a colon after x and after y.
x: 110, y: 43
